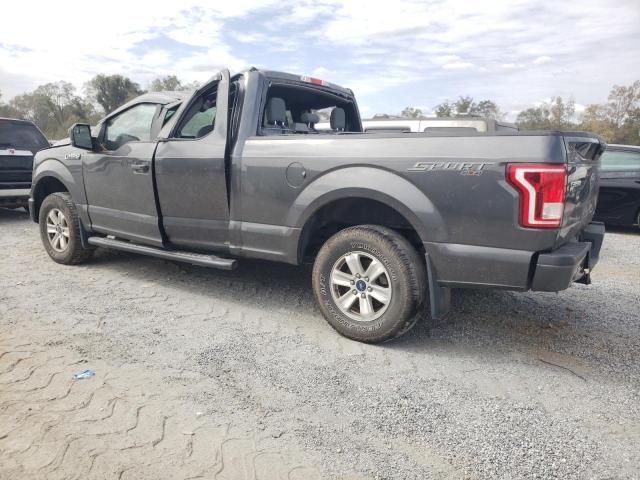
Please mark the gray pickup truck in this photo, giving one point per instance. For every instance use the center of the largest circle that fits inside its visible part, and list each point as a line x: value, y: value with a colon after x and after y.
x: 237, y: 169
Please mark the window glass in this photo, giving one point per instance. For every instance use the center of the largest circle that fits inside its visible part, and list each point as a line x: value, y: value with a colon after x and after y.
x: 299, y: 102
x: 133, y: 125
x: 613, y: 160
x: 169, y: 114
x: 199, y: 124
x: 21, y: 136
x: 201, y: 117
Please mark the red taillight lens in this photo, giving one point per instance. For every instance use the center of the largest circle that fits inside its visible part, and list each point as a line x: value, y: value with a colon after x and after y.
x: 542, y: 189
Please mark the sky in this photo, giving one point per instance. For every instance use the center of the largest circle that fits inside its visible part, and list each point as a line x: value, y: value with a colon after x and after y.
x: 393, y: 54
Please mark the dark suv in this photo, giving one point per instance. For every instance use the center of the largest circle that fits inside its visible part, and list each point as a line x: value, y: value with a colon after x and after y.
x: 19, y: 141
x: 619, y: 199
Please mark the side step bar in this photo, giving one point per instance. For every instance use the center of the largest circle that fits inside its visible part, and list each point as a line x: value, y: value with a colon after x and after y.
x: 177, y: 255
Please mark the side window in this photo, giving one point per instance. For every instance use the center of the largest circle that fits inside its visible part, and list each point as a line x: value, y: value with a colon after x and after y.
x: 133, y: 125
x: 170, y: 113
x: 620, y: 161
x: 201, y: 117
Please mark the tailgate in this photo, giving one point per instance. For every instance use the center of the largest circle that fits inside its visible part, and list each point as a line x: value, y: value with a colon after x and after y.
x: 583, y: 179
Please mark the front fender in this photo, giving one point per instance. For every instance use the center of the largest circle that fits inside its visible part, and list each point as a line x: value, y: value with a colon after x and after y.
x: 375, y: 184
x: 69, y: 175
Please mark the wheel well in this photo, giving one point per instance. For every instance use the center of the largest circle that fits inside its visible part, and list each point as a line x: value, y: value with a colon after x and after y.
x: 44, y: 188
x: 348, y: 212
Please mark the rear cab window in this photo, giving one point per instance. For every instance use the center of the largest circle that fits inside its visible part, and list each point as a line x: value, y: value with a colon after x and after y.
x: 299, y: 109
x: 19, y: 135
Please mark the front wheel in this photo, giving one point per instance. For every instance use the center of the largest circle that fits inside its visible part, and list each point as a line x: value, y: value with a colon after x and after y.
x: 60, y: 230
x: 370, y: 283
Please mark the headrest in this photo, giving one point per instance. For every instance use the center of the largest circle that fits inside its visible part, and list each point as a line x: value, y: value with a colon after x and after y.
x: 338, y: 119
x: 308, y: 117
x: 276, y: 111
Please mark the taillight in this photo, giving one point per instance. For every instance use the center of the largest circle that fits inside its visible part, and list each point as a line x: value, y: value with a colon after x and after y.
x: 542, y: 189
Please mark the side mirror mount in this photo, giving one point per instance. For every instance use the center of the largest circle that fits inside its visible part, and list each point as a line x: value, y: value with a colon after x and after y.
x: 80, y: 136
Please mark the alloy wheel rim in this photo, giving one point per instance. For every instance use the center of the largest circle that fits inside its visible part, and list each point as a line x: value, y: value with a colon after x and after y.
x: 58, y: 230
x: 361, y: 286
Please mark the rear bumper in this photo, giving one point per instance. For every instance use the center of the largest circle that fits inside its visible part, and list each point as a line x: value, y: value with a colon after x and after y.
x: 572, y: 262
x: 17, y: 197
x: 464, y: 266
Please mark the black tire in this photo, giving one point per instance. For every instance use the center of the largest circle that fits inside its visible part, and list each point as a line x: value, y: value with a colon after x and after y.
x: 74, y: 252
x: 405, y: 275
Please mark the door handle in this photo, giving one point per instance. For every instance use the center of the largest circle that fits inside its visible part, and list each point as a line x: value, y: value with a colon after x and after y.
x: 140, y: 167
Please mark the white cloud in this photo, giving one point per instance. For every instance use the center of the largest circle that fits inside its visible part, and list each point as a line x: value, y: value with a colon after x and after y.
x: 406, y: 53
x: 458, y: 66
x: 321, y: 72
x: 542, y: 59
x: 513, y: 66
x: 74, y: 43
x: 444, y: 59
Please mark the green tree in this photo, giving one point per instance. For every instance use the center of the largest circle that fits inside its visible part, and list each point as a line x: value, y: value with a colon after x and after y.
x: 487, y: 109
x: 171, y: 83
x: 554, y: 115
x: 623, y: 103
x: 534, y: 118
x: 7, y: 110
x: 618, y: 120
x: 54, y: 107
x: 466, y: 105
x: 445, y: 109
x: 167, y: 83
x: 111, y: 91
x: 562, y: 112
x: 411, y: 112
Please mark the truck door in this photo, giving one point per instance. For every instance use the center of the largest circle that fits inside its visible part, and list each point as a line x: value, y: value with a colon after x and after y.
x: 190, y: 170
x: 119, y: 177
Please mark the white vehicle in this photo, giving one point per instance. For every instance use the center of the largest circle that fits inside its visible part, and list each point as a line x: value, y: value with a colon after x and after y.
x: 437, y: 125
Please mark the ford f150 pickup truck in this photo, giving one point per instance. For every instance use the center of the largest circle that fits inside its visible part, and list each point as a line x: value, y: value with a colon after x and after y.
x: 391, y: 221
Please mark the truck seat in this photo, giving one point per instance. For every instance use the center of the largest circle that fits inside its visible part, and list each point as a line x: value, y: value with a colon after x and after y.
x: 310, y: 120
x: 338, y: 120
x: 275, y: 117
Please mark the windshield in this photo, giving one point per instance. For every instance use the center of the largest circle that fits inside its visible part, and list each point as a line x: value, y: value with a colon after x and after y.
x: 21, y: 136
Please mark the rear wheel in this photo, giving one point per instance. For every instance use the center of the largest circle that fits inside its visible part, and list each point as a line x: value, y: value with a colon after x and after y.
x: 60, y: 230
x: 369, y: 283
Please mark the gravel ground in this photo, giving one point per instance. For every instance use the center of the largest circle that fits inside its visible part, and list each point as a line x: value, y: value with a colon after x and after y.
x: 209, y: 374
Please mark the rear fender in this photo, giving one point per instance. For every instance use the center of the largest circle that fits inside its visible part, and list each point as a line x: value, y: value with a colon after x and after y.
x: 375, y: 184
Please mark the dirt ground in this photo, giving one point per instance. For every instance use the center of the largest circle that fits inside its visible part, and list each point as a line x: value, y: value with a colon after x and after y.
x: 235, y: 375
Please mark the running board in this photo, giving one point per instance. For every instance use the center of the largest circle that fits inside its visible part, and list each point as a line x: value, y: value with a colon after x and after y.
x: 177, y: 255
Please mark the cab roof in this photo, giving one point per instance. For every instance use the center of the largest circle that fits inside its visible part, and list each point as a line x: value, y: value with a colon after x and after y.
x: 303, y: 79
x: 162, y: 98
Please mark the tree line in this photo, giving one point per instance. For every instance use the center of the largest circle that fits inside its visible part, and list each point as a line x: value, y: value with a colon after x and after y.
x: 54, y: 107
x: 617, y: 120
